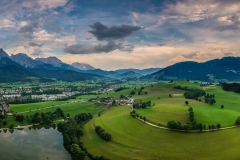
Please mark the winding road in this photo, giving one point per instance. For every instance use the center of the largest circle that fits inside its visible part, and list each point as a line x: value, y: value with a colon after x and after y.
x: 207, y: 130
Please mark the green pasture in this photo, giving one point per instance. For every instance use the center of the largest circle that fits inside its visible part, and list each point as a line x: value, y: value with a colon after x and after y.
x: 11, y: 120
x: 73, y: 108
x: 230, y: 100
x: 33, y: 106
x: 174, y: 108
x: 163, y: 89
x: 168, y: 109
x: 132, y: 139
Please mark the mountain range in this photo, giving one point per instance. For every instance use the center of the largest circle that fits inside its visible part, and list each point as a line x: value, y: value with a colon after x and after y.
x: 21, y: 67
x: 216, y: 70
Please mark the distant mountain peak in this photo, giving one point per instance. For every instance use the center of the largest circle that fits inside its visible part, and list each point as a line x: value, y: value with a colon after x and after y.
x: 82, y: 66
x: 3, y: 53
x: 24, y: 60
x: 51, y: 60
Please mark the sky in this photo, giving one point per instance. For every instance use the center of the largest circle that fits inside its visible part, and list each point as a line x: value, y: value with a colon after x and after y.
x: 114, y: 34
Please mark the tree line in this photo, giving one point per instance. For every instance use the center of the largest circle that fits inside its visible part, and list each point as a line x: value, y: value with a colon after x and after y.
x: 210, y: 98
x: 193, y: 125
x: 41, y: 118
x: 233, y: 87
x: 134, y: 114
x: 3, y: 118
x: 140, y: 91
x: 194, y: 93
x: 72, y: 132
x: 140, y: 104
x: 120, y: 89
x: 104, y: 135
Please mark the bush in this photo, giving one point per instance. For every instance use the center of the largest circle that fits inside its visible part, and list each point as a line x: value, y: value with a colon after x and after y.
x: 104, y: 135
x: 237, y: 122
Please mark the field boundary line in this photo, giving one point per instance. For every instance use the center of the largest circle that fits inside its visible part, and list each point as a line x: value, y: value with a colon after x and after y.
x: 187, y: 131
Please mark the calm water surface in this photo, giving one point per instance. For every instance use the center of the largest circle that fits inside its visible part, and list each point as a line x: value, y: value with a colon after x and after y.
x: 38, y: 144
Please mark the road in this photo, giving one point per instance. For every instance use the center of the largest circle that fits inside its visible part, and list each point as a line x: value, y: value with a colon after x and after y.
x: 208, y: 130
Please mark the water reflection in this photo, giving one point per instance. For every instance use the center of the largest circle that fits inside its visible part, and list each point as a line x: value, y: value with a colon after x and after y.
x: 38, y: 143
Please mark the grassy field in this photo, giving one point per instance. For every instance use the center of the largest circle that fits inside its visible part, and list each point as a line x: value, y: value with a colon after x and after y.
x: 72, y: 108
x: 132, y: 139
x: 32, y: 106
x: 167, y: 109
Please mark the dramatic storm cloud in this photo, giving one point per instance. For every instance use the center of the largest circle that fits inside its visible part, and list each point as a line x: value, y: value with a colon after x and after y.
x: 37, y: 53
x: 89, y: 49
x: 29, y: 29
x: 117, y: 34
x: 33, y: 44
x: 102, y: 32
x: 193, y: 55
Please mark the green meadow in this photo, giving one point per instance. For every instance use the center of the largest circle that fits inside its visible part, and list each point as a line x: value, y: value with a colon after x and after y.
x: 72, y: 108
x: 174, y: 108
x: 133, y: 139
x: 33, y: 106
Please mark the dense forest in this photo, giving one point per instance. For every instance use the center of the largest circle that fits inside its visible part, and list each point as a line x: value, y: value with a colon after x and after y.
x: 233, y: 87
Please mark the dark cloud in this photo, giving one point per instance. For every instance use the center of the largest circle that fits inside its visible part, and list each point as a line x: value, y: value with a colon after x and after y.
x: 233, y: 18
x: 191, y: 55
x: 232, y: 27
x: 73, y: 29
x: 217, y: 49
x: 161, y: 44
x: 229, y: 54
x: 224, y: 2
x: 33, y: 44
x: 28, y: 30
x: 53, y: 26
x: 102, y: 32
x: 37, y: 53
x: 89, y: 49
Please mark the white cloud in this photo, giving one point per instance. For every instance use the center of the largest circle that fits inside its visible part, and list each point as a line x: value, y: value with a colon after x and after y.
x: 51, y: 3
x: 69, y: 40
x: 6, y: 23
x: 43, y: 35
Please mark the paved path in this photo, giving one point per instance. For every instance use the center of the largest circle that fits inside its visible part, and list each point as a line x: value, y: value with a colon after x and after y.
x: 153, y: 125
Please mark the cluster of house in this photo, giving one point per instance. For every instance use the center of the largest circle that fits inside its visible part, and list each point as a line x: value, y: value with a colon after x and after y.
x: 16, y: 91
x: 108, y: 101
x: 207, y: 84
x: 52, y: 97
x: 4, y: 107
x: 44, y: 97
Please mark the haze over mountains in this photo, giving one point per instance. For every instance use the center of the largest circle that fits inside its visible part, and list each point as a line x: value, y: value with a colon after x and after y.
x: 224, y: 69
x: 21, y: 67
x: 52, y: 68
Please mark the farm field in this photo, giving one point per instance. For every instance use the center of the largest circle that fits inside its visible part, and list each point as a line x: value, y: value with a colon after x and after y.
x: 73, y: 108
x: 132, y: 139
x: 33, y: 106
x: 174, y: 108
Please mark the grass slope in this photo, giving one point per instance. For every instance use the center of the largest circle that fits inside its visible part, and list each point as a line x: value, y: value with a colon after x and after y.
x: 132, y: 139
x: 174, y: 108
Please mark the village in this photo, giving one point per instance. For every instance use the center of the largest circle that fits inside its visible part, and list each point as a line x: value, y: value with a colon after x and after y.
x: 29, y: 95
x: 109, y: 101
